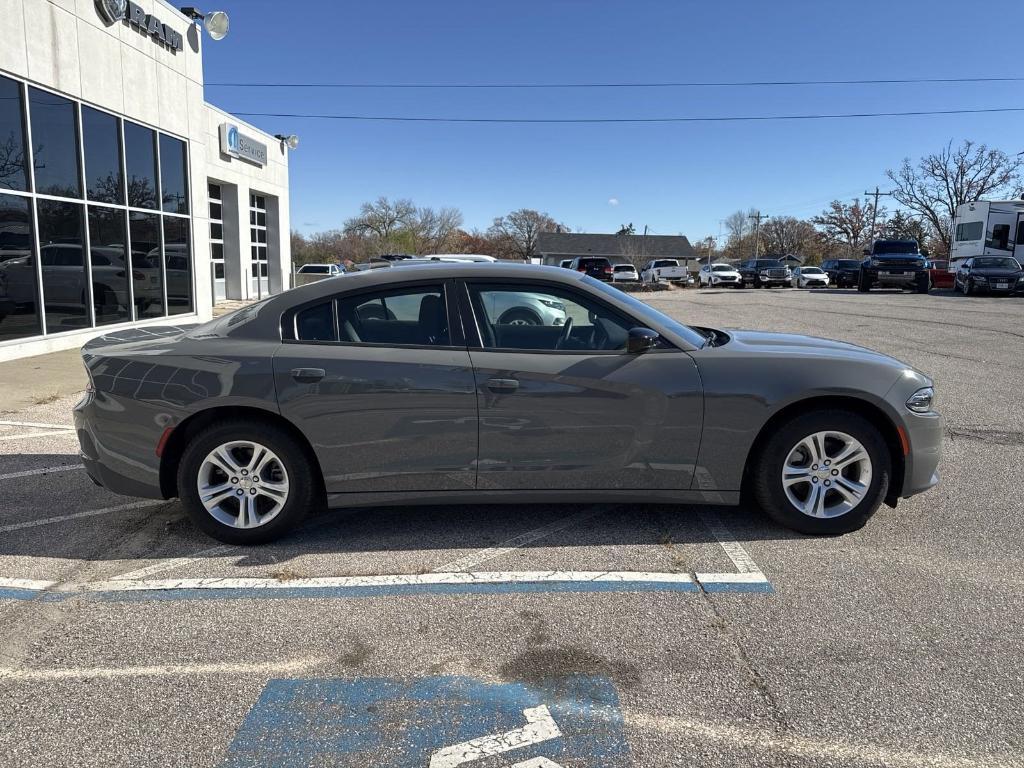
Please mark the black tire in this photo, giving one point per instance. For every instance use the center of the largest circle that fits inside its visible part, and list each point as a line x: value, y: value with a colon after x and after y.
x: 766, y: 474
x: 923, y: 282
x: 863, y: 282
x: 303, y: 482
x: 968, y: 287
x: 519, y: 316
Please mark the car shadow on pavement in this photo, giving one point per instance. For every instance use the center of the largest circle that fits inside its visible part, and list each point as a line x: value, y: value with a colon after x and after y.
x: 63, y: 515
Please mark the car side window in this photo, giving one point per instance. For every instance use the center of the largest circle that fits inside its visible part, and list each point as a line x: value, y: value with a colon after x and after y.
x: 409, y: 316
x: 316, y: 323
x: 545, y: 318
x: 415, y: 316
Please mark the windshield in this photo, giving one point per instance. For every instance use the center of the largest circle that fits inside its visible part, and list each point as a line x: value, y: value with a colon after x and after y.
x: 810, y: 271
x: 849, y: 264
x: 998, y: 262
x: 643, y: 308
x: 768, y: 264
x: 895, y: 246
x: 624, y: 268
x: 666, y: 263
x: 722, y: 268
x: 318, y: 269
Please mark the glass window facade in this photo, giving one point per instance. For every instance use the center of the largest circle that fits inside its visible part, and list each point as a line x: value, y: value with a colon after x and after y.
x: 13, y: 171
x: 54, y: 144
x: 94, y: 217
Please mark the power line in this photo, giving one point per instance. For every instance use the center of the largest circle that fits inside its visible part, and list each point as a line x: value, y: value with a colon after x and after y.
x: 709, y: 84
x: 722, y: 119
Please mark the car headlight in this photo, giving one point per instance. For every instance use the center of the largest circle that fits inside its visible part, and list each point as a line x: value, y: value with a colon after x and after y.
x: 553, y: 304
x: 980, y: 279
x: 876, y: 263
x: 922, y: 400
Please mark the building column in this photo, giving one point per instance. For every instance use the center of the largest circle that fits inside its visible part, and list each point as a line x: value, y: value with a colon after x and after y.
x: 237, y: 251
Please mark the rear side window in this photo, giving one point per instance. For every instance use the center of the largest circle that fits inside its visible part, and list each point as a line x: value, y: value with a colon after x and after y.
x: 316, y: 323
x: 401, y: 317
x: 965, y: 233
x: 405, y: 316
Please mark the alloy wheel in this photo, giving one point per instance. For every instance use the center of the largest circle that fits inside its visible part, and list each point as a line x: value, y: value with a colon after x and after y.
x: 826, y: 474
x: 242, y: 484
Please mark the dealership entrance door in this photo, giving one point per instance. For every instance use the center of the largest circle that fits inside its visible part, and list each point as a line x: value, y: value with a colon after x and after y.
x: 258, y: 242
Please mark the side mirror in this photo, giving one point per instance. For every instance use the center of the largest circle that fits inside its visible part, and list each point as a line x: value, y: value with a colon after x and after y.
x: 640, y: 340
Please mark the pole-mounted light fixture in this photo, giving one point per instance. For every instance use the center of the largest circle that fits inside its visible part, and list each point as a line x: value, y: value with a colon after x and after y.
x: 291, y: 141
x: 216, y: 22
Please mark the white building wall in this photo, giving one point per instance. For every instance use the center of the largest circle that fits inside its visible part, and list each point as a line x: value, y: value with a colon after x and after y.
x: 66, y: 46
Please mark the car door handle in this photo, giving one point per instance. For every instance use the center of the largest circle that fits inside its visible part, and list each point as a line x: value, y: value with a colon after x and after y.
x: 502, y: 385
x: 308, y: 375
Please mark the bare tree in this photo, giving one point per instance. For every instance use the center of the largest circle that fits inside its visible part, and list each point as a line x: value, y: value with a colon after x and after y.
x: 787, y: 235
x: 518, y: 231
x: 904, y: 227
x: 848, y: 225
x: 737, y: 224
x: 434, y: 231
x: 382, y: 218
x: 942, y: 181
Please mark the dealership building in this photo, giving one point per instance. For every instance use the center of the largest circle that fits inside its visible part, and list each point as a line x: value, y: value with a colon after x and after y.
x: 125, y: 198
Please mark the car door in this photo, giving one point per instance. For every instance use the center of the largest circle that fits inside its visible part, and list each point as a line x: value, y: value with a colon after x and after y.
x: 380, y: 382
x: 564, y: 406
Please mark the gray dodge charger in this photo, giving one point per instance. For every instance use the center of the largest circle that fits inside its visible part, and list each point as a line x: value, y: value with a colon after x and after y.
x: 457, y: 383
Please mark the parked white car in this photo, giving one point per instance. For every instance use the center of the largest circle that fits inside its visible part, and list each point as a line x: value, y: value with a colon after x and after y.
x: 809, y: 277
x: 329, y: 270
x: 565, y: 263
x: 624, y: 273
x: 665, y: 269
x: 719, y: 274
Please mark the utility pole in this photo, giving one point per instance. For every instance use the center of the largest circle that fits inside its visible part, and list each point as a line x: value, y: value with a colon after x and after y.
x: 757, y: 230
x: 874, y: 211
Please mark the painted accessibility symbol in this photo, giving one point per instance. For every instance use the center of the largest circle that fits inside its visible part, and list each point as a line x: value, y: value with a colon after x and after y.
x: 540, y: 727
x: 433, y: 722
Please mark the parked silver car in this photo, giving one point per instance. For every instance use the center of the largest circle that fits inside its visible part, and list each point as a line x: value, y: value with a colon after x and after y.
x: 414, y: 385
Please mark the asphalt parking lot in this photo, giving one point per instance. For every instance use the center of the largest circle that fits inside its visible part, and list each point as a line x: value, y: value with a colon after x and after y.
x: 539, y: 636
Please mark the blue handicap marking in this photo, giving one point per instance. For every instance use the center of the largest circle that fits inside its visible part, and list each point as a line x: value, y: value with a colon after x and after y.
x: 436, y: 722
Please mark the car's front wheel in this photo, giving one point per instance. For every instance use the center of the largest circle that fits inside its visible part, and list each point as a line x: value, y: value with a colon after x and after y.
x: 245, y: 482
x: 823, y: 472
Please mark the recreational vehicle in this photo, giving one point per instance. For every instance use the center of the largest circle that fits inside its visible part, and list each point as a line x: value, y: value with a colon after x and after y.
x: 987, y: 228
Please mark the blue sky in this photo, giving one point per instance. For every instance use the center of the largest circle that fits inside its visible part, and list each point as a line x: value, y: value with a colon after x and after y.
x: 674, y: 178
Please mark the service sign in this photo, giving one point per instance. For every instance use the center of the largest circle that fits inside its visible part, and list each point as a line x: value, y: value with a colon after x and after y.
x: 236, y: 144
x: 133, y: 15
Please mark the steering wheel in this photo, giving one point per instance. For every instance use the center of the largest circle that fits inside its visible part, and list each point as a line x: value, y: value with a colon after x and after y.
x: 564, y: 335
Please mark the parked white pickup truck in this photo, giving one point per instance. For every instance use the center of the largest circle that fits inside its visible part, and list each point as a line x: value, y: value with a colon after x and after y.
x: 664, y: 269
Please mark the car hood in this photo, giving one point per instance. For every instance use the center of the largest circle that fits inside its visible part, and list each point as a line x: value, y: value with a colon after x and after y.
x: 795, y: 345
x: 996, y: 272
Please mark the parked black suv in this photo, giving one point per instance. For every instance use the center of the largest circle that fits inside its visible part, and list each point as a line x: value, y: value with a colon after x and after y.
x: 761, y: 273
x: 595, y: 266
x: 894, y: 264
x: 842, y: 273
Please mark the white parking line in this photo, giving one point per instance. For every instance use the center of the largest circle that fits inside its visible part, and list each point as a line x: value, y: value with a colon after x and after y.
x: 29, y: 435
x: 396, y: 580
x: 34, y: 424
x: 78, y: 515
x: 43, y: 471
x: 743, y: 562
x: 474, y: 559
x: 176, y: 670
x: 177, y: 562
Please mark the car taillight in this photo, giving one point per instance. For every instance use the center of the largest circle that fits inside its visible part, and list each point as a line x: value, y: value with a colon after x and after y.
x: 581, y: 269
x: 607, y: 270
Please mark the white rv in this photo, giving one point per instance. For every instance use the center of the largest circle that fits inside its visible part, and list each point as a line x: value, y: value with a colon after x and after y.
x: 987, y: 228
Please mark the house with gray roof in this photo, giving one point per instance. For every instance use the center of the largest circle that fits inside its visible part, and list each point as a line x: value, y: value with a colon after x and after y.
x: 555, y: 247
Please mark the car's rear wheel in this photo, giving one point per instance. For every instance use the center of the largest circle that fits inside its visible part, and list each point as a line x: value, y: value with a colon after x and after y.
x: 825, y: 472
x: 245, y: 482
